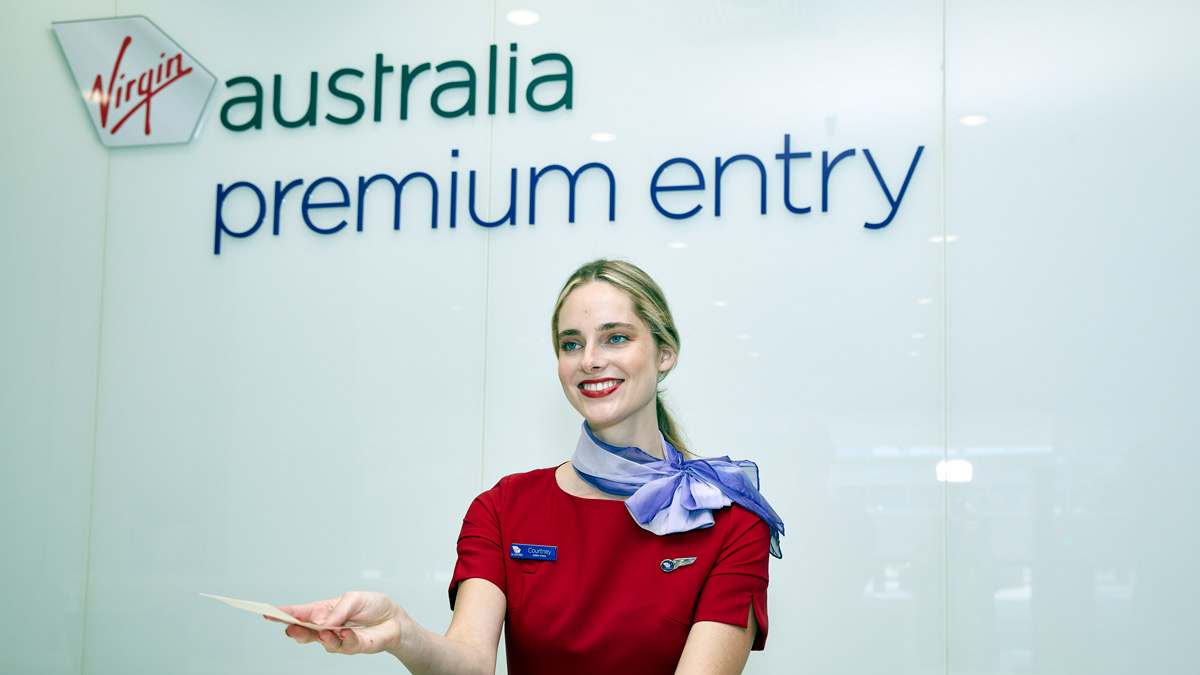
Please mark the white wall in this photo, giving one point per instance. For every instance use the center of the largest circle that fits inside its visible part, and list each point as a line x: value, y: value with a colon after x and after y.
x: 306, y: 414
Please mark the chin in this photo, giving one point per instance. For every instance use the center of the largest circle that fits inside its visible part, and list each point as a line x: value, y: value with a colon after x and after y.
x: 597, y: 421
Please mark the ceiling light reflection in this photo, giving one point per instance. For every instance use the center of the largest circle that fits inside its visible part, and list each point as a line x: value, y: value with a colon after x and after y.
x: 973, y: 120
x: 522, y: 17
x: 603, y: 137
x: 955, y: 471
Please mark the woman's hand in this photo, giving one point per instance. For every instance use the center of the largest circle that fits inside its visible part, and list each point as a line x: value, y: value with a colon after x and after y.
x: 365, y: 623
x: 360, y: 622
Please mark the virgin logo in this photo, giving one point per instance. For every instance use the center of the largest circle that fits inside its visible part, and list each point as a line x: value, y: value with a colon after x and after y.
x: 139, y: 86
x: 147, y: 85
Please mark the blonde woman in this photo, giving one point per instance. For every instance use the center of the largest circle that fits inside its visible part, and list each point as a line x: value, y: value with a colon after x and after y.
x: 628, y: 558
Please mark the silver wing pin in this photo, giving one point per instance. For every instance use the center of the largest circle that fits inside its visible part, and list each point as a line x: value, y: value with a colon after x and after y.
x: 670, y: 564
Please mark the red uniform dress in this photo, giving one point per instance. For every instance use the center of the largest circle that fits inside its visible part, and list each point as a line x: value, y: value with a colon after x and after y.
x: 605, y: 605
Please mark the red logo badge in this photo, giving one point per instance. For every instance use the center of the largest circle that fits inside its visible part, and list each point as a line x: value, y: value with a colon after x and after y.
x: 139, y: 86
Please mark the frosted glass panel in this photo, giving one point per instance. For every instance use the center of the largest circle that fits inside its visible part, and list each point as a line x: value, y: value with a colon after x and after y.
x: 50, y: 305
x: 1072, y: 366
x: 797, y: 328
x: 300, y: 415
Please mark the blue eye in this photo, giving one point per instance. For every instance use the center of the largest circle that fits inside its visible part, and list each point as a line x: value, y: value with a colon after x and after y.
x: 569, y: 346
x: 618, y: 339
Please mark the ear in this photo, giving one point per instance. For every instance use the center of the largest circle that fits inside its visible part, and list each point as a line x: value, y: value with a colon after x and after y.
x: 666, y: 360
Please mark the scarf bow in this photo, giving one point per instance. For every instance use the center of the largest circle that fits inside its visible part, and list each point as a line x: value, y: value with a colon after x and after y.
x: 672, y: 494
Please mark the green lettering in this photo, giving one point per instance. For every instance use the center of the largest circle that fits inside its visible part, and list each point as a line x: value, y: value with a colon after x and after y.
x: 406, y: 78
x: 310, y: 115
x: 565, y: 77
x: 469, y: 83
x: 255, y: 121
x: 359, y: 108
x: 380, y: 71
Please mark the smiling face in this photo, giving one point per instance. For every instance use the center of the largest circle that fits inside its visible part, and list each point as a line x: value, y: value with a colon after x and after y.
x: 609, y: 364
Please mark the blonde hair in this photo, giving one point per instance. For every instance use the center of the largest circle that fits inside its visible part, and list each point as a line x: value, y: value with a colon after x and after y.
x: 650, y: 305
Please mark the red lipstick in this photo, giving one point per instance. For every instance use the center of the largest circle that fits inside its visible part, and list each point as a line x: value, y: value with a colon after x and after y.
x: 610, y: 386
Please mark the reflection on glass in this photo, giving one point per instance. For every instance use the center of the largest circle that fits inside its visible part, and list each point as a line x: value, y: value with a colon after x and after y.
x: 954, y: 471
x: 1043, y: 577
x: 522, y: 17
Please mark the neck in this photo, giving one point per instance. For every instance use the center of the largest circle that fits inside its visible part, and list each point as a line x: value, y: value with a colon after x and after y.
x: 647, y: 440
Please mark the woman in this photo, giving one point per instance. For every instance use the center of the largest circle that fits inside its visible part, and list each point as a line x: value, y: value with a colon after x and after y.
x: 625, y: 559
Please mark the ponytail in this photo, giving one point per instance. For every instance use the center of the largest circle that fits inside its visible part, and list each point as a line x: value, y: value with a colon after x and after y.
x: 666, y: 425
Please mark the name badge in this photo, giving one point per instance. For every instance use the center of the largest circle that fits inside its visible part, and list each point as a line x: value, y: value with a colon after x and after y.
x: 532, y: 552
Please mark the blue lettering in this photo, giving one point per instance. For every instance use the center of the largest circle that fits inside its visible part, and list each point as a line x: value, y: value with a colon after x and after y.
x: 826, y: 169
x: 230, y: 199
x: 655, y: 188
x: 762, y: 171
x: 510, y: 215
x: 534, y: 175
x: 306, y: 204
x: 787, y: 156
x: 222, y: 193
x: 280, y: 195
x: 364, y: 184
x: 895, y: 203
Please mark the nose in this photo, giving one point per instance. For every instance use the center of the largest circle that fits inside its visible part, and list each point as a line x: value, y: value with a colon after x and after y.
x: 593, y: 359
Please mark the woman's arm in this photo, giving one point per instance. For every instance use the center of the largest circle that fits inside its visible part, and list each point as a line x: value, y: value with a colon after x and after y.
x: 714, y: 648
x: 468, y: 647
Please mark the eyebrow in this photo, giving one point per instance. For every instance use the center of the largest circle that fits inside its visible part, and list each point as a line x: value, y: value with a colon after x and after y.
x: 570, y: 332
x: 615, y: 324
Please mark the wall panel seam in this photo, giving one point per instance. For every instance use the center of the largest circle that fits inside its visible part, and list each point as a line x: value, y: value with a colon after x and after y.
x: 945, y: 348
x: 487, y: 280
x: 91, y: 496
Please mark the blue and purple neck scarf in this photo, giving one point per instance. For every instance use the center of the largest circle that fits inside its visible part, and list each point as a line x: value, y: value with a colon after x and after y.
x: 673, y: 494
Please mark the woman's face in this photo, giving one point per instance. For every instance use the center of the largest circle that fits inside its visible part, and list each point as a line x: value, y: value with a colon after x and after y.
x: 609, y: 362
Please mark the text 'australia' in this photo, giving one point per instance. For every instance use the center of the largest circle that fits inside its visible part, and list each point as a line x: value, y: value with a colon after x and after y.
x: 452, y: 88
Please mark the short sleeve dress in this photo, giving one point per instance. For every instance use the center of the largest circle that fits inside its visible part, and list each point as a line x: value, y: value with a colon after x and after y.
x: 606, y: 603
